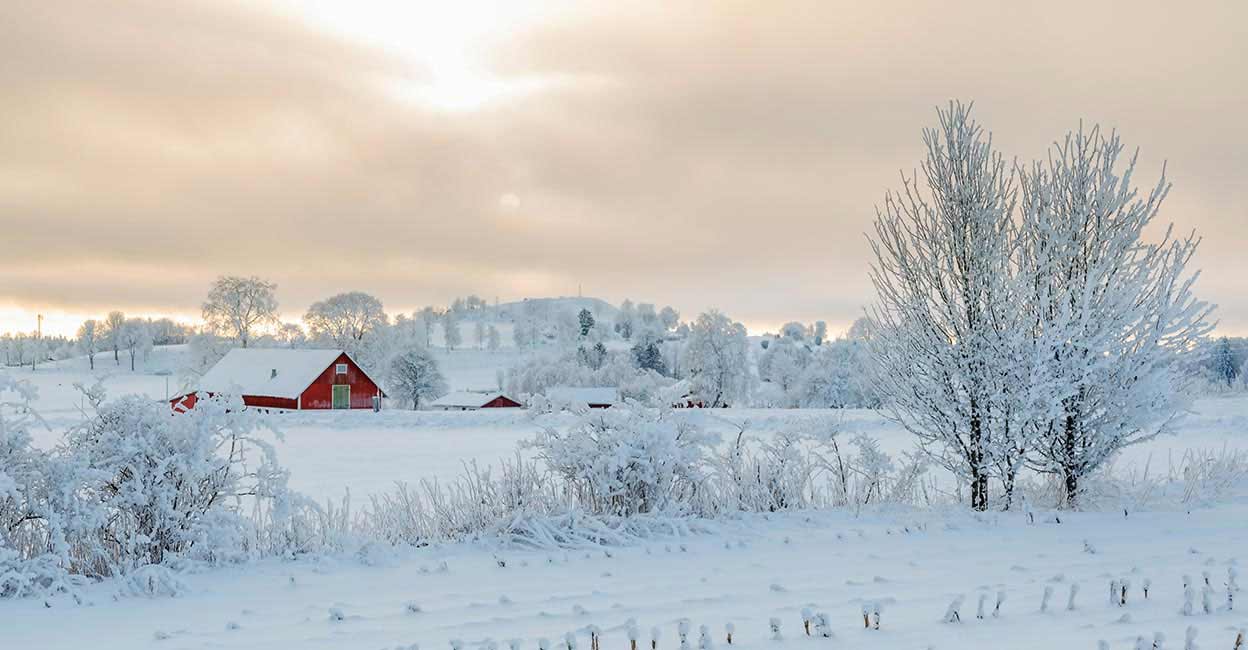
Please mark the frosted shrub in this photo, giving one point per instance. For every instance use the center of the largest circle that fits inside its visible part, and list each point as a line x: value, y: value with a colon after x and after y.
x: 36, y: 490
x: 774, y: 624
x: 627, y: 460
x: 172, y: 484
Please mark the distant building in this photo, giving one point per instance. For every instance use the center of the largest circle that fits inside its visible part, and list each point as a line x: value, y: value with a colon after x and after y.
x: 282, y: 378
x: 465, y: 401
x: 596, y: 397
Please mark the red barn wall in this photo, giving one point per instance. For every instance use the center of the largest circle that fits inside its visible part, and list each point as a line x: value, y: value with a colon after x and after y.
x: 501, y: 402
x: 320, y: 394
x: 266, y: 402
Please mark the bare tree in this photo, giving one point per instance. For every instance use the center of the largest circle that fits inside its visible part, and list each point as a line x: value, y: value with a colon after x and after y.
x: 237, y: 306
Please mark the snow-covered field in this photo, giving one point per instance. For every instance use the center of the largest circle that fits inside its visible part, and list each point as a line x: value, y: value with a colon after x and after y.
x: 914, y: 563
x: 744, y: 571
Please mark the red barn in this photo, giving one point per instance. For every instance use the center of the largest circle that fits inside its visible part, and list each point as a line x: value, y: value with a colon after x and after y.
x: 279, y: 378
x: 473, y: 401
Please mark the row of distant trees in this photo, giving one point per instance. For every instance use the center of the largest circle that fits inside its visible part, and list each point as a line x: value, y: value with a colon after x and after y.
x: 117, y: 333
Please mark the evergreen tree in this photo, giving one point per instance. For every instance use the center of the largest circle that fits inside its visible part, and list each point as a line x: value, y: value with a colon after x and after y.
x: 647, y: 356
x: 1225, y: 363
x: 587, y: 322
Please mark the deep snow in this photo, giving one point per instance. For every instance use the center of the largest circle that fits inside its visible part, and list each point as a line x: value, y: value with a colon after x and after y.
x: 744, y: 571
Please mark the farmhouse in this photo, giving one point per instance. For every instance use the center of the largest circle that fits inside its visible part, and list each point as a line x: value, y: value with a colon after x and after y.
x: 465, y: 401
x: 279, y: 378
x: 596, y: 397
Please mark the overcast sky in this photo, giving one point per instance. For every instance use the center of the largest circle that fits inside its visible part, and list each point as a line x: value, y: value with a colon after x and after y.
x: 696, y: 154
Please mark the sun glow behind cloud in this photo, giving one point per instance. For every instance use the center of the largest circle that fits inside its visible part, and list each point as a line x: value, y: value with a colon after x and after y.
x: 445, y: 42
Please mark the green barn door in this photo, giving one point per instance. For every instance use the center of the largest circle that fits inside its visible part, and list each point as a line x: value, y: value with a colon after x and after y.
x: 342, y: 397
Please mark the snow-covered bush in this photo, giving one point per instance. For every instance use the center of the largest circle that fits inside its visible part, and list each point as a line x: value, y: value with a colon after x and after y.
x: 627, y: 460
x: 171, y: 484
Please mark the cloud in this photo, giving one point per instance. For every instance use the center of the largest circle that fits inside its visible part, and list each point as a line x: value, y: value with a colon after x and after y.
x: 699, y: 154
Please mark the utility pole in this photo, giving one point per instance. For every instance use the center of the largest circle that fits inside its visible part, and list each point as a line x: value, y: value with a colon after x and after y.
x: 39, y: 327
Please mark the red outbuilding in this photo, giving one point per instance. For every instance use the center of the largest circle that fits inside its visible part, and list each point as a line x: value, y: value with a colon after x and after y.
x: 279, y: 378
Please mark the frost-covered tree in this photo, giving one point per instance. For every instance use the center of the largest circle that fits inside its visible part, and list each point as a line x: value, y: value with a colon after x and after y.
x: 670, y: 318
x: 943, y: 328
x: 819, y: 332
x: 647, y: 355
x: 794, y: 330
x: 626, y: 321
x: 112, y: 326
x: 1226, y: 365
x: 451, y: 335
x: 89, y: 340
x: 1114, y: 313
x: 782, y: 365
x: 586, y: 320
x: 492, y: 341
x: 291, y: 335
x: 414, y: 375
x: 135, y: 339
x: 716, y: 359
x: 478, y: 333
x: 346, y: 319
x: 237, y: 306
x: 428, y: 317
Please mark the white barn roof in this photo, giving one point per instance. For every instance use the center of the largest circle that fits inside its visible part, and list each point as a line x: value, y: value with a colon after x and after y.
x: 578, y: 395
x: 465, y: 399
x: 270, y: 372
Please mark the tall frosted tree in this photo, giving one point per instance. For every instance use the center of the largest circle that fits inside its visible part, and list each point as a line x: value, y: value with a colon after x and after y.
x: 1115, y: 313
x: 237, y: 306
x: 451, y: 335
x: 1225, y: 362
x: 89, y: 340
x: 113, y: 324
x: 717, y: 360
x: 943, y: 324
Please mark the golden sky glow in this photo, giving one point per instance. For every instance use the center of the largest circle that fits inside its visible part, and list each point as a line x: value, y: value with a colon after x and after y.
x: 696, y: 154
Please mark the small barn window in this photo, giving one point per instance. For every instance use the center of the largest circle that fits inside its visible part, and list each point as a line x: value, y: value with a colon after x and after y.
x: 340, y: 369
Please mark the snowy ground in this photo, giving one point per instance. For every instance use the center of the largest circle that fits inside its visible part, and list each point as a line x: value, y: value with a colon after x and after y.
x: 748, y: 572
x: 743, y: 572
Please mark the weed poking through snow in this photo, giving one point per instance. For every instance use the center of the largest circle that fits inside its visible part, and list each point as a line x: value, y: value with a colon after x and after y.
x: 952, y: 614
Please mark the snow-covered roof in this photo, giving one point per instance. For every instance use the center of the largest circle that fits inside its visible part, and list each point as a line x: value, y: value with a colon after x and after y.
x: 251, y: 371
x: 464, y: 399
x: 581, y: 395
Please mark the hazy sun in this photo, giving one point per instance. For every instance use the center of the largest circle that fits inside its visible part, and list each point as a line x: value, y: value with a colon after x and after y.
x: 446, y: 42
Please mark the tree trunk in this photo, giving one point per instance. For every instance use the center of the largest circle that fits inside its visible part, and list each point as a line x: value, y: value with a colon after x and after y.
x: 1071, y: 478
x: 91, y: 359
x: 1070, y: 470
x: 979, y: 490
